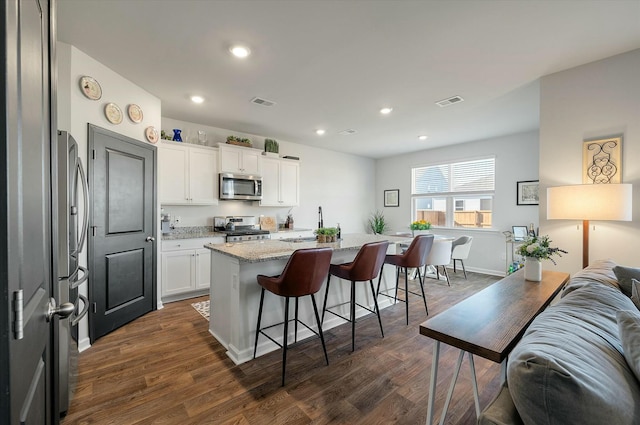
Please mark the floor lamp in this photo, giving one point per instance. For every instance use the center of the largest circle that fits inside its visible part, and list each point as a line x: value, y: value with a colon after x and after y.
x: 589, y: 202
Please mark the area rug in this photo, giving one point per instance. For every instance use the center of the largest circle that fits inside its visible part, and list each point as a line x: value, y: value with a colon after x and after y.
x: 203, y: 308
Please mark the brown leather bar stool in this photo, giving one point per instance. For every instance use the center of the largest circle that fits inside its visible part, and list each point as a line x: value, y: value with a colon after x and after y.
x: 413, y: 257
x: 303, y: 275
x: 365, y: 266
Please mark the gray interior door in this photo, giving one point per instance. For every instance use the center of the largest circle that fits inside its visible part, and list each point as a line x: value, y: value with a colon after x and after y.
x: 26, y: 266
x: 122, y: 236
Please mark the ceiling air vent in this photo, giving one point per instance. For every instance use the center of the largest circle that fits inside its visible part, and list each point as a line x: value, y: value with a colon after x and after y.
x: 449, y: 101
x: 262, y: 102
x: 347, y: 132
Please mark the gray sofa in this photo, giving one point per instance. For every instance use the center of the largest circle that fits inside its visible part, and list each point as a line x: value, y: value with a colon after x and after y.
x: 569, y: 366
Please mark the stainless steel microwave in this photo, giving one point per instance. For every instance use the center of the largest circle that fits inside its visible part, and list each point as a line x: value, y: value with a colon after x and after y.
x: 243, y: 187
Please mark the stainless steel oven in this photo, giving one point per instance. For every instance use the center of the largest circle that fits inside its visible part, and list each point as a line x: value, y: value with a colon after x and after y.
x: 240, y: 228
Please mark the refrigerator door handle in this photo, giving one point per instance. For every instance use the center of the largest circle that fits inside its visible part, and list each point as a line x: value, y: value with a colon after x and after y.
x: 83, y: 313
x: 85, y: 276
x: 85, y: 216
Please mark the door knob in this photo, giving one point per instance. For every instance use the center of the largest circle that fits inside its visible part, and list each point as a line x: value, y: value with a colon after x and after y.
x: 64, y: 310
x: 150, y: 239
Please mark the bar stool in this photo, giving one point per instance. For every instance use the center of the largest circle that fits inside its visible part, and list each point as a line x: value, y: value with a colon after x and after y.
x: 366, y: 266
x: 303, y: 275
x: 413, y: 257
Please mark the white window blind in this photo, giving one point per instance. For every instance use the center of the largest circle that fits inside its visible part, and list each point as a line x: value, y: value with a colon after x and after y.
x: 458, y: 177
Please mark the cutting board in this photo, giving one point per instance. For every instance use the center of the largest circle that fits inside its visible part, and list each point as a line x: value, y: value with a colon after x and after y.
x: 268, y: 223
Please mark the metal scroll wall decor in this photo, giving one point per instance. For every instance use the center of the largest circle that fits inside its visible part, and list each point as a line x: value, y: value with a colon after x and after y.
x: 602, y: 161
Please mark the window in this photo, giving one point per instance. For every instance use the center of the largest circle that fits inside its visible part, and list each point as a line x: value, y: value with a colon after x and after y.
x: 458, y: 194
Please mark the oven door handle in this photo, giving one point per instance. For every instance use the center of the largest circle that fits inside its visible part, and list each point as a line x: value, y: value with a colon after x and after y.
x: 84, y: 311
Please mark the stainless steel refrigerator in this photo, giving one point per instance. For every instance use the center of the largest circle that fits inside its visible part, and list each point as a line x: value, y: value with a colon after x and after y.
x: 72, y: 189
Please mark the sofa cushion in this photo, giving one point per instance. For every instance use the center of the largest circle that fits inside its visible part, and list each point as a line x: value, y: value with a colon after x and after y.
x: 598, y: 271
x: 624, y: 276
x: 629, y: 328
x: 635, y: 292
x: 569, y: 367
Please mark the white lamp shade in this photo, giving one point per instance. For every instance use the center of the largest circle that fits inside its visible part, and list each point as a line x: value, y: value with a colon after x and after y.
x: 590, y: 202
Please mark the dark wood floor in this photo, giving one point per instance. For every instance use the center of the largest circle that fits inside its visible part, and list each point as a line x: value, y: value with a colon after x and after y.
x: 165, y: 368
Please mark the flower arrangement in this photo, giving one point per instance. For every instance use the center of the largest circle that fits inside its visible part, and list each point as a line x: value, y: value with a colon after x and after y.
x: 420, y: 225
x: 539, y: 247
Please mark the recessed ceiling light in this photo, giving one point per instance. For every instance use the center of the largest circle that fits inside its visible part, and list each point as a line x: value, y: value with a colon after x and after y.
x: 320, y: 132
x: 423, y: 137
x: 240, y: 51
x: 197, y: 99
x: 386, y: 111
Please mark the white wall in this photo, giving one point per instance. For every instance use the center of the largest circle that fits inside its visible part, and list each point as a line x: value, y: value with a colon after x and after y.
x: 75, y: 111
x: 599, y: 99
x: 516, y: 160
x: 342, y: 184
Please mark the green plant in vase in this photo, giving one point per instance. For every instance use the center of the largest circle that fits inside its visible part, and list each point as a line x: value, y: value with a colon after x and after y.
x: 271, y: 145
x: 377, y: 223
x: 321, y: 232
x: 330, y: 234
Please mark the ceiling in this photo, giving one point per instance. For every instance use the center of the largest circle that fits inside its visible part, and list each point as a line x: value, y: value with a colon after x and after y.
x: 333, y: 64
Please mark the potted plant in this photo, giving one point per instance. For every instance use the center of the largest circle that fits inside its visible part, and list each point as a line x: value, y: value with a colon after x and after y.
x: 534, y: 250
x: 377, y: 223
x: 419, y: 227
x: 271, y: 147
x: 321, y: 233
x: 239, y: 141
x: 330, y: 234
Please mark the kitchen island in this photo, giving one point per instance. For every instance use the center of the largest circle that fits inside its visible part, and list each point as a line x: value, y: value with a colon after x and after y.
x: 235, y: 293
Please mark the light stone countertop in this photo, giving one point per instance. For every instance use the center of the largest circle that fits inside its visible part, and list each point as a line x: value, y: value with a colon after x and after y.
x: 267, y: 250
x: 208, y: 232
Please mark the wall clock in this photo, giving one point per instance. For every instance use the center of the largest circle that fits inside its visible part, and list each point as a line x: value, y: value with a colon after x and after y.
x: 90, y: 87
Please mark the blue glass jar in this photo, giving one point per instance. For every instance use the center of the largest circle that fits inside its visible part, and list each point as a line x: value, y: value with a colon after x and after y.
x: 176, y: 135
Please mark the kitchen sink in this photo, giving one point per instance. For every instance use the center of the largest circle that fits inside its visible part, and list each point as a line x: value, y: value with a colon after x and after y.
x: 299, y: 240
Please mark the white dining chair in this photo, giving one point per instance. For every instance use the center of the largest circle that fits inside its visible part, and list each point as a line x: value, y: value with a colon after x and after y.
x: 460, y: 251
x: 440, y: 255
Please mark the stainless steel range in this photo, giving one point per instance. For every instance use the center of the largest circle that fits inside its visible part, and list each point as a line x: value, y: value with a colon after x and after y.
x: 240, y: 228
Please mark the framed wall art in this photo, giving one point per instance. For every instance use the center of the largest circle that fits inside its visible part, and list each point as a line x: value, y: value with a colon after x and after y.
x: 392, y: 198
x: 528, y: 192
x: 602, y: 161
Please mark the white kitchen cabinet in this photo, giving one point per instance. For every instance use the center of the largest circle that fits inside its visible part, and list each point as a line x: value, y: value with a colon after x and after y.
x: 186, y: 268
x: 280, y: 183
x: 187, y: 175
x: 235, y: 159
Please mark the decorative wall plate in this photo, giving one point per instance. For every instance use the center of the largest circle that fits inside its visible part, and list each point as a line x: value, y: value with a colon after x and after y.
x: 90, y: 87
x: 113, y: 113
x: 151, y: 134
x: 135, y: 113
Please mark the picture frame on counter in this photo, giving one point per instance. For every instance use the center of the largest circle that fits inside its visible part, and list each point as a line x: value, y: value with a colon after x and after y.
x: 392, y: 198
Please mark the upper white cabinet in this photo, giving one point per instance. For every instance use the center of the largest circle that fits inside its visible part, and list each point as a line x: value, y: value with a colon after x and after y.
x: 280, y: 183
x: 235, y: 159
x: 187, y: 174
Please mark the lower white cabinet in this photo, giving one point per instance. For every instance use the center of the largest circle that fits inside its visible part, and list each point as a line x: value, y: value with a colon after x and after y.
x: 186, y: 268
